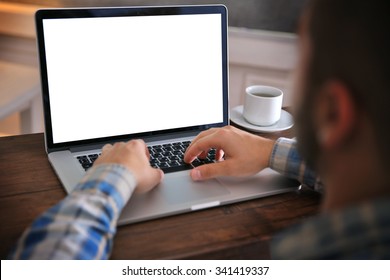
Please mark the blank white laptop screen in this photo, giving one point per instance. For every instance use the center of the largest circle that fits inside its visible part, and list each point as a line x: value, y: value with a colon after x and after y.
x: 121, y: 75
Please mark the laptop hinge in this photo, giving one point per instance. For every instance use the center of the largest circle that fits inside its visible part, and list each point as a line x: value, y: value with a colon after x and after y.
x: 147, y: 139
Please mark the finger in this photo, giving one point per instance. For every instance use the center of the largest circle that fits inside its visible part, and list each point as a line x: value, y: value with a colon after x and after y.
x: 202, y: 135
x: 157, y: 176
x: 147, y: 153
x: 106, y: 148
x: 203, y: 154
x: 153, y: 178
x: 193, y: 149
x: 136, y: 147
x: 209, y: 171
x: 219, y: 155
x: 203, y: 145
x: 142, y: 146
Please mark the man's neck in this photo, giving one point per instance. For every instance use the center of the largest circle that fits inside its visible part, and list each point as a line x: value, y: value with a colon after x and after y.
x: 354, y: 179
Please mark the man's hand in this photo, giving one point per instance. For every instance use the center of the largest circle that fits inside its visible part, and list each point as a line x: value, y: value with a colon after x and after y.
x: 238, y: 153
x: 134, y: 155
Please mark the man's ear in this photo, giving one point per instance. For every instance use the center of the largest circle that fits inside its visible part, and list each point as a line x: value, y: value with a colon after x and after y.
x: 335, y: 116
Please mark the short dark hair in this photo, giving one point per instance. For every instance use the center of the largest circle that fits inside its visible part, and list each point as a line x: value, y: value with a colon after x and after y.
x: 350, y: 42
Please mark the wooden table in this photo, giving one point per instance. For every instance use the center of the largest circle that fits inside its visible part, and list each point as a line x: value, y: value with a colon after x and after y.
x: 28, y: 186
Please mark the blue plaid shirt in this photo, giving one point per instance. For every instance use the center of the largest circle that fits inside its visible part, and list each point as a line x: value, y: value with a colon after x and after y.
x: 360, y: 231
x: 83, y: 225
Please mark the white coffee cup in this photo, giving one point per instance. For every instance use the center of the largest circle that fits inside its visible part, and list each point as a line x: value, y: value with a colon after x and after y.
x: 263, y: 105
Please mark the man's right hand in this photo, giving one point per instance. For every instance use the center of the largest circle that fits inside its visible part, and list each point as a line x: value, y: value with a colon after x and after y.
x: 239, y: 153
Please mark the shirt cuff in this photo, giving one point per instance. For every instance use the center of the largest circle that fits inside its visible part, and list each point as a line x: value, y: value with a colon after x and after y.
x: 286, y: 160
x: 280, y: 154
x: 113, y: 180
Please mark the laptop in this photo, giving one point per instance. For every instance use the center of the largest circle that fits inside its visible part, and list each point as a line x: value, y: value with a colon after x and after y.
x: 155, y: 73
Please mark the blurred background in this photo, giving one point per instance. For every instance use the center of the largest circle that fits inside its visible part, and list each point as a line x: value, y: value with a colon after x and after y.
x: 275, y: 15
x: 262, y: 46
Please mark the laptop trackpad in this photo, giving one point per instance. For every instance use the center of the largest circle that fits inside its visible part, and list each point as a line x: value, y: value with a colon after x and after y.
x: 180, y: 188
x: 176, y: 194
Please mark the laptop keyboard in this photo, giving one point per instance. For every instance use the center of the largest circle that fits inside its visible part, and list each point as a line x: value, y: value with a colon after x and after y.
x: 168, y: 157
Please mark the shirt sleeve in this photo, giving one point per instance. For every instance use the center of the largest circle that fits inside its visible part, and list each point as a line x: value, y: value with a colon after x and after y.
x: 286, y: 160
x: 81, y: 226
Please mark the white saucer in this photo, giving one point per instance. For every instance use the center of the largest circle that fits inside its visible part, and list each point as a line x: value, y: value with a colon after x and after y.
x: 286, y: 121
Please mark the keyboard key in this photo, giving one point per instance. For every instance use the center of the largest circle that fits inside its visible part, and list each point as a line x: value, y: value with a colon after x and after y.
x: 83, y: 160
x: 86, y: 166
x: 174, y: 164
x: 164, y: 159
x: 177, y: 153
x: 172, y: 158
x: 163, y: 165
x: 86, y: 161
x: 93, y: 157
x: 196, y: 163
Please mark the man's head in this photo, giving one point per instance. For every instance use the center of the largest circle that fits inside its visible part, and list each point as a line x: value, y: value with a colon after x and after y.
x: 344, y: 78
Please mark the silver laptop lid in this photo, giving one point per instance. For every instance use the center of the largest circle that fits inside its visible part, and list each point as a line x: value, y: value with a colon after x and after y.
x: 111, y: 74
